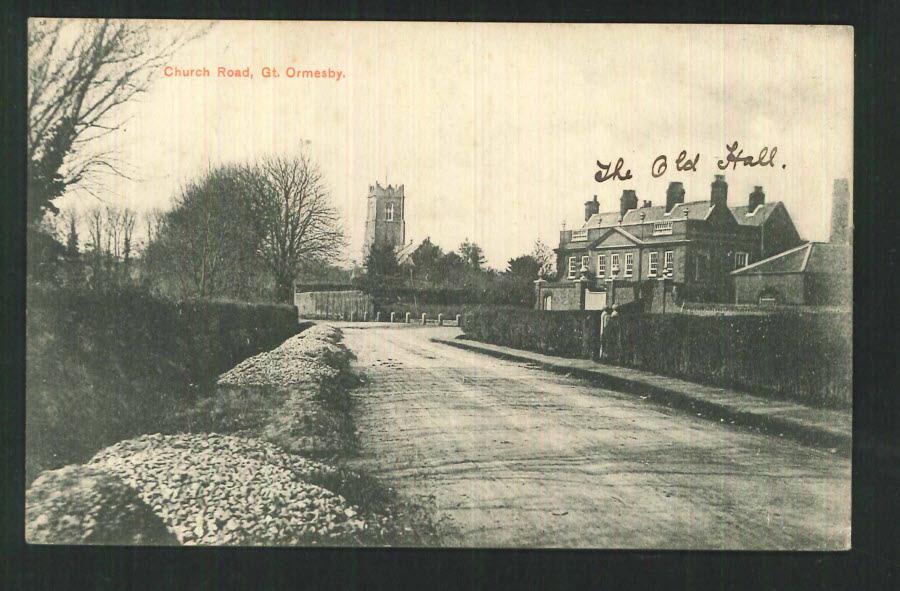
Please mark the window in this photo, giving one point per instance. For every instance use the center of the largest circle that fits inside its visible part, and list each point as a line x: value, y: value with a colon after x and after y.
x: 629, y: 264
x: 389, y: 212
x: 669, y: 262
x: 662, y: 228
x: 579, y: 235
x: 585, y: 261
x: 601, y: 265
x: 614, y: 260
x: 654, y: 264
x: 741, y: 259
x: 572, y: 268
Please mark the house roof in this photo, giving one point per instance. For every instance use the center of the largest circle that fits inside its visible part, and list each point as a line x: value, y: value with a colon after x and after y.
x: 404, y: 252
x: 812, y: 257
x: 697, y: 210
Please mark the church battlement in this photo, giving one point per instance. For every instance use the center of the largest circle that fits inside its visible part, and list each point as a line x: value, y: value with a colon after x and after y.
x: 377, y: 190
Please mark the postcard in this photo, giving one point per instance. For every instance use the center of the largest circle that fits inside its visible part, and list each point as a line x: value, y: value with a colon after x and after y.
x: 411, y: 284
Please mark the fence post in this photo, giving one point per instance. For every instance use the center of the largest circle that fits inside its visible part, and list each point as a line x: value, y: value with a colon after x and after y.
x: 423, y: 318
x: 440, y: 320
x: 365, y: 315
x: 392, y: 317
x: 352, y: 316
x: 457, y: 321
x: 378, y: 317
x: 407, y: 317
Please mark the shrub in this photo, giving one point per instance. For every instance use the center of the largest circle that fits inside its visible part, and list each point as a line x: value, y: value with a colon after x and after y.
x: 803, y: 357
x: 799, y: 356
x: 109, y: 364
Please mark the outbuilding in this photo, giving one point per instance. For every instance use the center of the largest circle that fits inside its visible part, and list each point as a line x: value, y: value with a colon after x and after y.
x: 815, y: 273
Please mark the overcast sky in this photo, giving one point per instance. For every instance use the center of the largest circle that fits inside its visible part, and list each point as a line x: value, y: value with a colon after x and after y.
x: 495, y: 129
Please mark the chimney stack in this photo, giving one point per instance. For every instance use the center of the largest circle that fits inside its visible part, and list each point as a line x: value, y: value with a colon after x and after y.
x: 841, y: 228
x: 757, y: 198
x: 674, y: 195
x: 718, y: 195
x: 628, y: 201
x: 591, y: 208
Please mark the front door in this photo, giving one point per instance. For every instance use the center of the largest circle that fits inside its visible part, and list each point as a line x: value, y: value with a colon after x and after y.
x: 594, y: 300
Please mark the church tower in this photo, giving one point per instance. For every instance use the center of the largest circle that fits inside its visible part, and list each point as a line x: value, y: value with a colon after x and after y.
x: 385, y: 217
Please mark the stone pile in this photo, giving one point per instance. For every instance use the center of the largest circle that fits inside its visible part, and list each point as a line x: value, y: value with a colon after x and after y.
x: 221, y: 490
x: 312, y: 357
x: 85, y: 505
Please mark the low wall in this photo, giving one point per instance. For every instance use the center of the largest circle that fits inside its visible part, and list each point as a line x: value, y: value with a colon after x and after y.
x: 334, y: 304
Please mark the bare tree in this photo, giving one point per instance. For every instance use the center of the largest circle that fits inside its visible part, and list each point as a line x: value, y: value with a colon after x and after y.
x: 293, y: 216
x: 113, y: 230
x: 80, y: 71
x: 128, y: 220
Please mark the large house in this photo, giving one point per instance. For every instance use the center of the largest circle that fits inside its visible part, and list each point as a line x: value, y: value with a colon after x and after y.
x: 685, y: 249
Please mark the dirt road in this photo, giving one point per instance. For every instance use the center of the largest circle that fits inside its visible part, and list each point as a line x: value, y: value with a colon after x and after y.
x: 514, y: 456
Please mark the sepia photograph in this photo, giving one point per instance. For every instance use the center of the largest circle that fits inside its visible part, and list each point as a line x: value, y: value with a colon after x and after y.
x: 439, y: 284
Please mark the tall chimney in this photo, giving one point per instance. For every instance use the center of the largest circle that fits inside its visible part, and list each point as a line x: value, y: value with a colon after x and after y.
x: 718, y: 195
x: 841, y: 228
x: 757, y: 198
x: 674, y: 195
x: 591, y: 208
x: 628, y: 201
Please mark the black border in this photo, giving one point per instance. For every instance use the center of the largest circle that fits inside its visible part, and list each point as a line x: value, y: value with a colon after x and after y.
x: 872, y: 563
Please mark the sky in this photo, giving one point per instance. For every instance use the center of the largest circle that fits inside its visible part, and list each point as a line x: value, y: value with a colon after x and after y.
x: 495, y: 130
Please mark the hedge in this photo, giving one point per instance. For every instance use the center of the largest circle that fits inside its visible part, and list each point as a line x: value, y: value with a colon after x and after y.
x: 105, y: 365
x: 797, y: 356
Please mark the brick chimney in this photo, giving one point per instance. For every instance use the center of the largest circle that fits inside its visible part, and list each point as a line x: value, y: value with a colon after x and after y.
x: 841, y: 228
x: 757, y: 198
x: 674, y: 195
x: 628, y: 201
x: 591, y: 208
x: 718, y: 195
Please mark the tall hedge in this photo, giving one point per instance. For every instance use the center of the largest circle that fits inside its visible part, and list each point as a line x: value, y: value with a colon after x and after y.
x: 104, y: 365
x: 805, y: 357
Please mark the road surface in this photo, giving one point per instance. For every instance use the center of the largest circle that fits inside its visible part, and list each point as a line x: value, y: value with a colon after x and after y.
x: 514, y: 456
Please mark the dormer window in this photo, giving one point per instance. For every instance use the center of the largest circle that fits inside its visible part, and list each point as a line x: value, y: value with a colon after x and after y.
x: 389, y: 212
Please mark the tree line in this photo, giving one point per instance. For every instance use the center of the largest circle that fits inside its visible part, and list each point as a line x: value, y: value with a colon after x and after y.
x: 459, y: 275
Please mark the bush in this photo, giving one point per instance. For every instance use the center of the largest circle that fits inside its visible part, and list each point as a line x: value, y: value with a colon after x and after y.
x: 802, y: 357
x: 110, y: 364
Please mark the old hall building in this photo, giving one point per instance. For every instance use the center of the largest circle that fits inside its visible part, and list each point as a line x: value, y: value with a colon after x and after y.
x: 684, y: 249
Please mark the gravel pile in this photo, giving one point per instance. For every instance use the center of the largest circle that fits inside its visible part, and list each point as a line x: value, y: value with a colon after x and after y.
x: 84, y: 505
x: 312, y: 357
x: 218, y: 489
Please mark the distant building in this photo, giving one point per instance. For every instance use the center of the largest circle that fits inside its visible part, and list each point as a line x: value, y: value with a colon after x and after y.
x: 385, y: 217
x: 681, y: 248
x: 816, y: 273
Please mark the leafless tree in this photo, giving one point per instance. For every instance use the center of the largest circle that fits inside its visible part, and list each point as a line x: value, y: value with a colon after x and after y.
x: 293, y: 216
x: 80, y: 71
